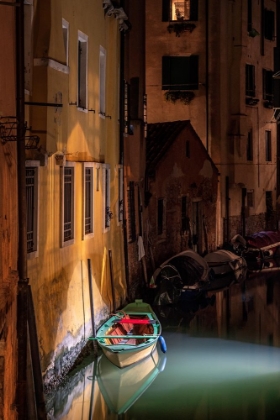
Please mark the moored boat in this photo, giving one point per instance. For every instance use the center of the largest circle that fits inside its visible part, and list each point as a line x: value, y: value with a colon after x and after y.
x: 261, y: 245
x: 130, y: 335
x: 223, y: 262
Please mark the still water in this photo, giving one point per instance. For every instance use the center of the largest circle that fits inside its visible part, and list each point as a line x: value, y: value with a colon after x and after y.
x: 222, y: 362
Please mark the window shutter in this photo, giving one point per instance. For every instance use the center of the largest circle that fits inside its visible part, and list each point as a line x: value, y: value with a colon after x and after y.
x: 194, y: 10
x: 165, y: 72
x: 165, y: 10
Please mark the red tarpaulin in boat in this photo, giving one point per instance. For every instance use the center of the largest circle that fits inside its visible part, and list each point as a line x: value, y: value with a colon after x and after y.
x: 262, y: 239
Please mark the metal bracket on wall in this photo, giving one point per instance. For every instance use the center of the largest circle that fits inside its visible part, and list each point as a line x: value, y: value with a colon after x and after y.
x: 8, y: 132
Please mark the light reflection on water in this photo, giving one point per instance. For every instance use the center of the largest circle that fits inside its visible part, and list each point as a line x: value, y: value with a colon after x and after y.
x: 218, y: 366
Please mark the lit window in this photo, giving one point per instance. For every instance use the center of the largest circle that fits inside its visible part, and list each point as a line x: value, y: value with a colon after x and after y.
x: 82, y: 69
x: 67, y: 204
x: 179, y: 10
x: 32, y: 190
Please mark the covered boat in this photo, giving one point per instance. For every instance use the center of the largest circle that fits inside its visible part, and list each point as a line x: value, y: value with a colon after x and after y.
x: 130, y: 335
x: 181, y: 277
x: 121, y: 388
x: 260, y: 245
x: 223, y: 262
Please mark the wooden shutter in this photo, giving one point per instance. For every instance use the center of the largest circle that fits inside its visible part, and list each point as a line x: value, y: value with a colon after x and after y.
x: 194, y: 10
x: 165, y: 10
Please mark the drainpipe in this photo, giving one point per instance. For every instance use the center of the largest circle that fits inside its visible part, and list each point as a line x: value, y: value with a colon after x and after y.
x: 22, y: 296
x: 121, y: 157
x: 207, y: 73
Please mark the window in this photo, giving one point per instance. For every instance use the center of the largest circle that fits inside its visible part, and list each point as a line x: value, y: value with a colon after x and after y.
x: 250, y: 80
x: 102, y: 80
x: 160, y: 210
x: 180, y: 73
x: 268, y: 85
x: 82, y: 69
x: 106, y: 197
x: 65, y: 32
x: 179, y: 10
x: 268, y: 146
x: 88, y: 200
x: 249, y: 15
x: 120, y: 201
x: 268, y: 24
x: 131, y: 213
x: 250, y: 145
x: 250, y: 198
x: 67, y: 204
x: 188, y: 152
x: 32, y: 190
x: 184, y: 217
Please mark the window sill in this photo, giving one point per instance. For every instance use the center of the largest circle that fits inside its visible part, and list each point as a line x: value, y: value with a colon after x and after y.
x: 180, y: 26
x: 67, y: 243
x: 85, y: 110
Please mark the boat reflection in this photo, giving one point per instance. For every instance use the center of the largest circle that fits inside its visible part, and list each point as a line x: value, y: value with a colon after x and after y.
x: 121, y: 388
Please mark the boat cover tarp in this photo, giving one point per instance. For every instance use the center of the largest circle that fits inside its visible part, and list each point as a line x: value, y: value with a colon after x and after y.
x: 263, y: 239
x: 221, y: 256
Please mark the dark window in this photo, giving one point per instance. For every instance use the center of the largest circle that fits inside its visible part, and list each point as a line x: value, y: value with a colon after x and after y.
x: 131, y: 213
x: 82, y: 74
x: 268, y: 24
x: 188, y: 152
x: 184, y: 217
x: 268, y: 146
x: 250, y: 198
x: 88, y: 200
x: 249, y: 15
x: 267, y: 85
x: 180, y: 73
x: 250, y: 146
x: 31, y: 208
x: 250, y: 80
x: 179, y: 10
x: 68, y: 204
x: 160, y: 216
x: 268, y: 202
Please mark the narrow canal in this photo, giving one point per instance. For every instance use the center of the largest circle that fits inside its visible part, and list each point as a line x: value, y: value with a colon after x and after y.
x: 222, y: 362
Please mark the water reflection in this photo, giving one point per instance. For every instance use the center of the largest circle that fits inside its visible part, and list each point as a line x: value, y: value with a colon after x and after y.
x: 223, y: 362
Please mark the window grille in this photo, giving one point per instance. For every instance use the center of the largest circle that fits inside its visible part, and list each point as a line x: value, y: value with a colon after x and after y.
x: 68, y: 204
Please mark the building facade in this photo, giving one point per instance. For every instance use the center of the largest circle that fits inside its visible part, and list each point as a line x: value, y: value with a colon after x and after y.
x: 212, y: 62
x: 74, y: 170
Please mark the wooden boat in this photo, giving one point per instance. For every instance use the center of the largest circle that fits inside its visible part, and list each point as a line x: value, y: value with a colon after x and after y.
x: 261, y: 245
x: 223, y: 262
x: 130, y: 335
x: 121, y: 388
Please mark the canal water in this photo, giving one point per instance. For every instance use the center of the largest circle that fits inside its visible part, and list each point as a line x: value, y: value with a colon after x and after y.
x: 222, y: 362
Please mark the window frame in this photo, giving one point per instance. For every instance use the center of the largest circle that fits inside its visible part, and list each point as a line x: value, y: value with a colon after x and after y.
x: 82, y: 80
x: 34, y: 164
x: 70, y: 241
x: 91, y: 166
x: 102, y: 81
x: 65, y: 31
x: 106, y: 181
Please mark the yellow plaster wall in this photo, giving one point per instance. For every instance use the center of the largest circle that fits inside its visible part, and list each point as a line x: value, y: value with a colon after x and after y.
x: 59, y: 276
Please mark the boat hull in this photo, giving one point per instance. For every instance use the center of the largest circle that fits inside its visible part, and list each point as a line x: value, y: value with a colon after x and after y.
x: 124, y: 358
